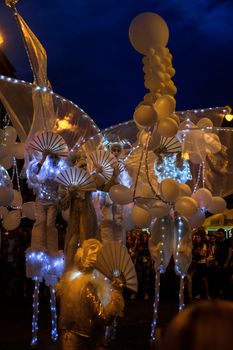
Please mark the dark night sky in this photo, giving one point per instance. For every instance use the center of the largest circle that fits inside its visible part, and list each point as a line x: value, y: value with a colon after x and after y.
x: 91, y: 61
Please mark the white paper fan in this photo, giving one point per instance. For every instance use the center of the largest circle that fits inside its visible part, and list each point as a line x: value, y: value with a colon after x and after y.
x: 78, y: 177
x: 113, y: 260
x: 106, y: 161
x: 121, y: 165
x: 169, y: 145
x: 51, y: 142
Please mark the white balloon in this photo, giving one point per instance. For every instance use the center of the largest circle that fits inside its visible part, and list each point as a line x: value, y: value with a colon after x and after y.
x: 17, y: 200
x: 10, y: 134
x: 148, y: 30
x: 5, y: 150
x: 165, y: 106
x: 7, y: 162
x: 204, y: 123
x: 140, y: 217
x: 169, y: 189
x: 12, y: 220
x: 185, y: 190
x: 203, y: 197
x: 167, y: 127
x: 28, y: 210
x: 218, y: 205
x: 120, y: 194
x: 186, y: 206
x: 145, y: 116
x: 18, y: 150
x: 3, y: 212
x: 6, y: 196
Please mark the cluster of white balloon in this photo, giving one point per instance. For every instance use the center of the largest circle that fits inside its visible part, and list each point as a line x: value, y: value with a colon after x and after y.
x: 155, y: 117
x: 158, y: 106
x: 10, y: 150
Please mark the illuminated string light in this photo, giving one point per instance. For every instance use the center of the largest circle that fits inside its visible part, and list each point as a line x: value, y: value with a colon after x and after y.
x: 35, y: 313
x: 203, y: 174
x: 177, y: 267
x: 54, y: 334
x: 157, y: 283
x: 168, y: 169
x: 198, y: 178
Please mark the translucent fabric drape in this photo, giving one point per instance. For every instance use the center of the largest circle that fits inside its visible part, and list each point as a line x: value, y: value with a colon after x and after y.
x: 33, y: 110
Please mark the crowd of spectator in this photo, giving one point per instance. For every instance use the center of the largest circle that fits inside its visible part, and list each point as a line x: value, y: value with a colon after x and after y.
x: 210, y: 274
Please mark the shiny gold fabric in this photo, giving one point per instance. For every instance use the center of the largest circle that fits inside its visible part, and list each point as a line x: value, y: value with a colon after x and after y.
x: 82, y: 305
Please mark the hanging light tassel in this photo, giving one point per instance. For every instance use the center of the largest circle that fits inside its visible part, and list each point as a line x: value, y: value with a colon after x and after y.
x: 35, y: 313
x: 155, y: 307
x: 181, y: 293
x: 54, y: 334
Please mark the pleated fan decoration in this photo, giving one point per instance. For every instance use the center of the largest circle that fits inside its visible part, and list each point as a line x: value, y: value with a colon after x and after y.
x: 169, y: 145
x: 106, y: 161
x: 77, y: 177
x: 121, y: 166
x: 51, y: 142
x: 113, y: 260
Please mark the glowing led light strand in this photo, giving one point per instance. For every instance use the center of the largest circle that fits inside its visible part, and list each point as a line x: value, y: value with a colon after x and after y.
x: 203, y: 174
x: 181, y: 293
x: 35, y: 312
x: 155, y: 307
x: 198, y: 178
x: 157, y: 284
x: 177, y: 267
x: 54, y: 334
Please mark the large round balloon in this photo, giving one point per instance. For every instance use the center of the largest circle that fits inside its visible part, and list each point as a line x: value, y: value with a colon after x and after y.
x: 140, y: 217
x: 148, y: 30
x: 186, y: 206
x: 185, y: 190
x: 18, y: 150
x: 145, y: 116
x: 10, y: 134
x: 169, y: 189
x: 3, y: 212
x: 167, y: 127
x: 165, y: 106
x: 6, y: 196
x: 120, y: 194
x: 203, y: 197
x: 17, y: 200
x: 217, y: 205
x: 12, y: 220
x: 204, y: 123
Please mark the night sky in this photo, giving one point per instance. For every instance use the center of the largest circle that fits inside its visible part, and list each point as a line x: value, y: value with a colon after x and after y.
x: 92, y: 63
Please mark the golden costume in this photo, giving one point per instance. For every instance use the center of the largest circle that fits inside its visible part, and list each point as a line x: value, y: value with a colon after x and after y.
x: 88, y: 301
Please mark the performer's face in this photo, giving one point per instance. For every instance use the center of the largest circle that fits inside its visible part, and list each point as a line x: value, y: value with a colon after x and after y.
x: 92, y: 254
x: 116, y: 150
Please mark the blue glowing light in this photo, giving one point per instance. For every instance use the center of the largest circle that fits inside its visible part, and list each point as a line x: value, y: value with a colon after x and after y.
x: 173, y: 169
